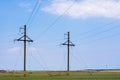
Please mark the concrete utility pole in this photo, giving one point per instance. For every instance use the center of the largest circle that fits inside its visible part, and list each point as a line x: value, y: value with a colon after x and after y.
x: 68, y: 43
x: 25, y: 39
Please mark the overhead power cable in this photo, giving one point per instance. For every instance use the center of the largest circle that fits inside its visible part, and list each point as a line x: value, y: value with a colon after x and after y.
x: 53, y: 23
x: 42, y: 60
x: 33, y: 13
x: 93, y: 35
x: 79, y: 59
x: 102, y: 38
x: 95, y: 29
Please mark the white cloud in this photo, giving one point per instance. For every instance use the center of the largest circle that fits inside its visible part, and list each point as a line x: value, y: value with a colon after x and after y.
x: 14, y: 50
x: 32, y: 49
x: 26, y: 6
x: 85, y: 8
x: 30, y: 5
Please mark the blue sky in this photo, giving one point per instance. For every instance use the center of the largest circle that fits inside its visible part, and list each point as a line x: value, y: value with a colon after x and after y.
x: 94, y: 27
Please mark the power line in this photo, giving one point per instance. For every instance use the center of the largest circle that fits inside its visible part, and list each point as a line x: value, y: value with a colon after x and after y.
x: 40, y: 57
x: 78, y: 60
x: 37, y: 61
x: 44, y: 63
x: 106, y: 37
x: 34, y: 11
x: 52, y: 24
x: 93, y: 35
x: 16, y: 60
x: 93, y: 30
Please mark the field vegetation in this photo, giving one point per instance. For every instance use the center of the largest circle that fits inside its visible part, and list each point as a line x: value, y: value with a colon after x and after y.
x: 73, y: 75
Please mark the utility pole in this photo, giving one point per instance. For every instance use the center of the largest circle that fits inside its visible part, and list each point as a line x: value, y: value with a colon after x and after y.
x: 68, y: 43
x: 25, y: 39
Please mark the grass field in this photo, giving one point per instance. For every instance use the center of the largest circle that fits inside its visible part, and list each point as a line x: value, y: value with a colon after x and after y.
x: 61, y: 76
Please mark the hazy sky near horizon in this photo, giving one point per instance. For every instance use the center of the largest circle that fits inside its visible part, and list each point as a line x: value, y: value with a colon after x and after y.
x: 94, y: 27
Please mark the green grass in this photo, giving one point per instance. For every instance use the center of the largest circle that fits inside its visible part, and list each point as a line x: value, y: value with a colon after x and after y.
x: 62, y: 76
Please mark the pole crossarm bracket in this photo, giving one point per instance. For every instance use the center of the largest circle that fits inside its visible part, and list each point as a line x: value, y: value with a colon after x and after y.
x: 27, y: 39
x: 66, y: 43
